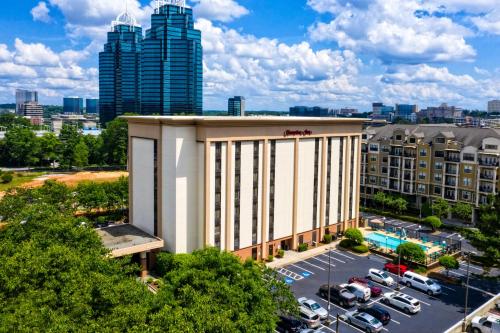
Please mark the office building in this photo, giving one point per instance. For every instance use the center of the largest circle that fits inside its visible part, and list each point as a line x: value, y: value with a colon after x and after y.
x: 32, y: 109
x: 24, y: 96
x: 172, y: 63
x: 92, y: 106
x: 73, y: 105
x: 119, y: 70
x: 494, y: 106
x: 249, y: 185
x: 382, y: 112
x: 236, y: 106
x: 440, y: 114
x: 424, y: 162
x: 406, y: 112
x: 305, y: 111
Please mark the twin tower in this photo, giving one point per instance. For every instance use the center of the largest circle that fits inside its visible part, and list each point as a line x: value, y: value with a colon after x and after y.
x: 160, y: 73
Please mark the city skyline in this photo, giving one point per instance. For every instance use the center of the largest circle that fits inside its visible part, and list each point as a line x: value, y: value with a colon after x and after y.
x: 422, y: 53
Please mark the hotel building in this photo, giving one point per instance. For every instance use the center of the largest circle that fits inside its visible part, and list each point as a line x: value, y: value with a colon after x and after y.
x: 249, y: 185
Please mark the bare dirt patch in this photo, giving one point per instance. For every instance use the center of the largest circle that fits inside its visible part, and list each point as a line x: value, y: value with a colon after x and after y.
x: 72, y: 179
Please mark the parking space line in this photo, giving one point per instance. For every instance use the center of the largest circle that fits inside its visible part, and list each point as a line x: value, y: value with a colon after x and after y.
x: 471, y: 266
x: 328, y: 328
x: 455, y: 273
x: 424, y: 302
x: 324, y: 262
x: 397, y: 322
x: 357, y: 329
x: 343, y: 255
x: 453, y: 234
x: 332, y: 257
x: 445, y: 287
x: 301, y: 268
x: 390, y: 307
x: 313, y: 265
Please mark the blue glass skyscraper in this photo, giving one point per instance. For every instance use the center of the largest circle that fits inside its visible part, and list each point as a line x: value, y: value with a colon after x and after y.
x: 73, y: 105
x: 171, y: 63
x: 119, y: 70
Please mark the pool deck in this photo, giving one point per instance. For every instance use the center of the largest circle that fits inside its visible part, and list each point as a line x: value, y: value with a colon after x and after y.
x: 431, y: 247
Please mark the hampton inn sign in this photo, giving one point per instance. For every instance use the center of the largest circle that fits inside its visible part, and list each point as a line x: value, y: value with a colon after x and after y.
x: 305, y: 132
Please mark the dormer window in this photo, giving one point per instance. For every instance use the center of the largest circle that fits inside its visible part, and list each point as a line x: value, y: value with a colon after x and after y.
x: 399, y: 137
x: 440, y: 140
x: 491, y: 147
x: 412, y: 140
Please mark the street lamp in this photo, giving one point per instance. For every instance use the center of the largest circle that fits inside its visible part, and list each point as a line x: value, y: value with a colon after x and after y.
x: 328, y: 321
x: 386, y: 248
x: 464, y: 323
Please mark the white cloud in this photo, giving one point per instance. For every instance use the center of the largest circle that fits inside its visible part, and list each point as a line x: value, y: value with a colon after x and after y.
x: 36, y: 54
x: 219, y: 10
x: 426, y: 74
x: 5, y: 54
x: 41, y: 12
x: 481, y: 71
x: 11, y: 71
x: 489, y: 22
x: 390, y: 30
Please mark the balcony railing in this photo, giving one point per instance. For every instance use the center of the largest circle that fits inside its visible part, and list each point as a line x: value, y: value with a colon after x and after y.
x: 486, y: 176
x: 410, y: 155
x: 396, y: 153
x: 394, y: 174
x: 395, y: 164
x: 449, y: 196
x: 452, y: 159
x: 451, y: 183
x: 452, y: 171
x: 407, y: 177
x: 488, y: 162
x: 486, y: 189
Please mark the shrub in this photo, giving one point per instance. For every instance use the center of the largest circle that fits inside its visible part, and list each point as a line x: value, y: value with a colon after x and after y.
x: 327, y: 238
x: 420, y: 270
x: 270, y: 258
x: 411, y: 252
x: 362, y: 248
x: 345, y: 243
x: 354, y: 235
x: 434, y: 222
x: 303, y: 247
x: 281, y: 253
x: 7, y: 177
x: 448, y: 262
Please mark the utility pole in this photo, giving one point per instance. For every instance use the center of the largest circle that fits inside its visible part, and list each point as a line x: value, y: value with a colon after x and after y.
x: 399, y: 258
x: 464, y: 324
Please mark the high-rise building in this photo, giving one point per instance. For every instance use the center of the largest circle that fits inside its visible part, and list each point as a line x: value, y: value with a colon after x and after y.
x: 440, y: 114
x: 382, y: 112
x: 171, y: 63
x: 92, y: 105
x: 406, y: 111
x: 73, y: 105
x: 494, y: 106
x: 119, y: 69
x: 24, y: 96
x: 32, y: 109
x: 306, y: 111
x: 236, y: 106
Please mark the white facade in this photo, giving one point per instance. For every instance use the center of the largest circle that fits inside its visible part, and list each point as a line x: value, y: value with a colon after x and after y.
x: 494, y: 106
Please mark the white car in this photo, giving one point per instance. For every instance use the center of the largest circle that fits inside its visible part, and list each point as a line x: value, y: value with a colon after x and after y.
x: 489, y: 324
x: 402, y: 301
x: 421, y: 282
x: 361, y: 292
x: 314, y: 307
x: 380, y: 276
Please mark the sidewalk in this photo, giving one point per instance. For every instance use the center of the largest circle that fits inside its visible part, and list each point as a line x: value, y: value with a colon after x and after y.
x: 294, y: 256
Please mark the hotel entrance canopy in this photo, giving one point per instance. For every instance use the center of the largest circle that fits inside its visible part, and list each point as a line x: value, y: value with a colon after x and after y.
x: 126, y: 239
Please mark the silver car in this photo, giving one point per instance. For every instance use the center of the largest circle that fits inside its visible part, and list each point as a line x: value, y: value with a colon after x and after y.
x: 364, y: 321
x: 314, y: 307
x: 308, y: 317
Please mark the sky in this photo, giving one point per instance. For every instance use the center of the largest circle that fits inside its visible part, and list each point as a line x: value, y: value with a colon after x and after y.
x: 331, y: 53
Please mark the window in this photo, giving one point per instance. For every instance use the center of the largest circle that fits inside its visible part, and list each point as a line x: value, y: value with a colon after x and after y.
x: 237, y: 187
x: 439, y: 140
x: 421, y: 188
x: 271, y: 189
x: 255, y: 200
x: 422, y: 175
x: 373, y: 147
x: 468, y: 157
x: 412, y: 140
x: 373, y: 158
x: 438, y: 166
x: 316, y: 174
x: 439, y: 153
x: 466, y: 195
x: 399, y: 137
x: 437, y: 190
x: 218, y: 198
x: 373, y: 168
x: 341, y: 172
x: 373, y: 180
x: 385, y: 149
x: 438, y: 177
x: 329, y: 176
x: 491, y: 147
x: 467, y: 168
x: 385, y: 159
x: 423, y: 152
x: 423, y: 164
x: 467, y: 182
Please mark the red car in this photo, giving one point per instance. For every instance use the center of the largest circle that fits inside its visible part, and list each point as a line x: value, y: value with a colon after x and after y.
x: 393, y: 268
x: 375, y: 291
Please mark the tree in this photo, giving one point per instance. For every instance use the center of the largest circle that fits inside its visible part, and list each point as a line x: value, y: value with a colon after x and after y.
x: 94, y: 145
x: 70, y: 137
x: 22, y: 148
x: 441, y: 208
x: 9, y: 121
x: 411, y: 252
x: 434, y: 222
x: 380, y: 198
x: 81, y: 154
x: 448, y: 262
x: 399, y: 205
x: 463, y: 211
x: 115, y: 142
x: 49, y: 147
x: 354, y: 235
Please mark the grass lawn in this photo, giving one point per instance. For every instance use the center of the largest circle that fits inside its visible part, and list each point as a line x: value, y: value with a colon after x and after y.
x: 19, y: 179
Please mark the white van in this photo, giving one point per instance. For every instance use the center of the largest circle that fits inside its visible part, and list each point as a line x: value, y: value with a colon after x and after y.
x: 361, y: 292
x: 421, y: 282
x: 488, y: 324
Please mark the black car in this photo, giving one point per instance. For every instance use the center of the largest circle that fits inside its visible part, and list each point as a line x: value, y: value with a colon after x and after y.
x: 378, y: 312
x: 290, y: 324
x: 338, y: 295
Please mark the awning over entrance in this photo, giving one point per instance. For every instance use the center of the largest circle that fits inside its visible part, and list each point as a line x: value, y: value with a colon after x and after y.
x: 125, y: 239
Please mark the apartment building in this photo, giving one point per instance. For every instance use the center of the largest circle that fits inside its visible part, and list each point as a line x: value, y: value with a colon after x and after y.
x: 249, y: 185
x: 425, y: 162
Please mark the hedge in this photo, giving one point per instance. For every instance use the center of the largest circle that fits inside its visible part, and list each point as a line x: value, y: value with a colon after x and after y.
x: 407, y: 218
x: 345, y: 243
x: 303, y: 247
x: 360, y: 248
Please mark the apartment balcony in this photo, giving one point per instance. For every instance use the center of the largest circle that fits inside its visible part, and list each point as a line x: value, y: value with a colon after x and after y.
x: 451, y: 183
x: 407, y: 177
x: 410, y: 155
x: 451, y: 171
x: 450, y: 195
x: 488, y: 162
x: 408, y: 165
x: 396, y: 153
x: 486, y: 189
x: 395, y: 164
x: 393, y: 174
x: 394, y: 187
x: 455, y: 159
x: 486, y: 176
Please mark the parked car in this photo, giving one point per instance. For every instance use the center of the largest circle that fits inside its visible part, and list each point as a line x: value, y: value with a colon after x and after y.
x: 378, y: 312
x: 487, y: 324
x: 376, y: 291
x: 290, y: 324
x: 338, y: 295
x: 361, y: 292
x: 364, y: 321
x: 314, y: 307
x: 402, y: 301
x: 310, y: 318
x: 393, y: 268
x: 380, y: 276
x: 421, y: 282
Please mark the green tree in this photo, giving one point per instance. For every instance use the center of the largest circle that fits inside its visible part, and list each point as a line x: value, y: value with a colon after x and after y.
x: 49, y: 148
x: 399, y: 205
x: 70, y: 138
x: 434, y: 222
x: 463, y: 211
x: 411, y: 252
x: 115, y: 142
x: 354, y: 235
x: 94, y: 144
x: 448, y: 262
x: 9, y: 121
x: 441, y: 208
x: 81, y: 154
x: 381, y: 198
x: 22, y: 148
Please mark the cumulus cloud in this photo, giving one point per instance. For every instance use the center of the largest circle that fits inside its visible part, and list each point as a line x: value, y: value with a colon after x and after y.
x: 11, y: 70
x: 35, y: 54
x: 391, y: 30
x: 41, y: 12
x: 489, y: 22
x: 426, y: 74
x: 219, y: 10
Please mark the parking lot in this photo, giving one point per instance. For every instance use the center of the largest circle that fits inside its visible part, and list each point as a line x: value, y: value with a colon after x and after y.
x: 436, y: 315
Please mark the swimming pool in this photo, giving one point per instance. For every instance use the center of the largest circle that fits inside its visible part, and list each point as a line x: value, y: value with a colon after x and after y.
x: 391, y: 242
